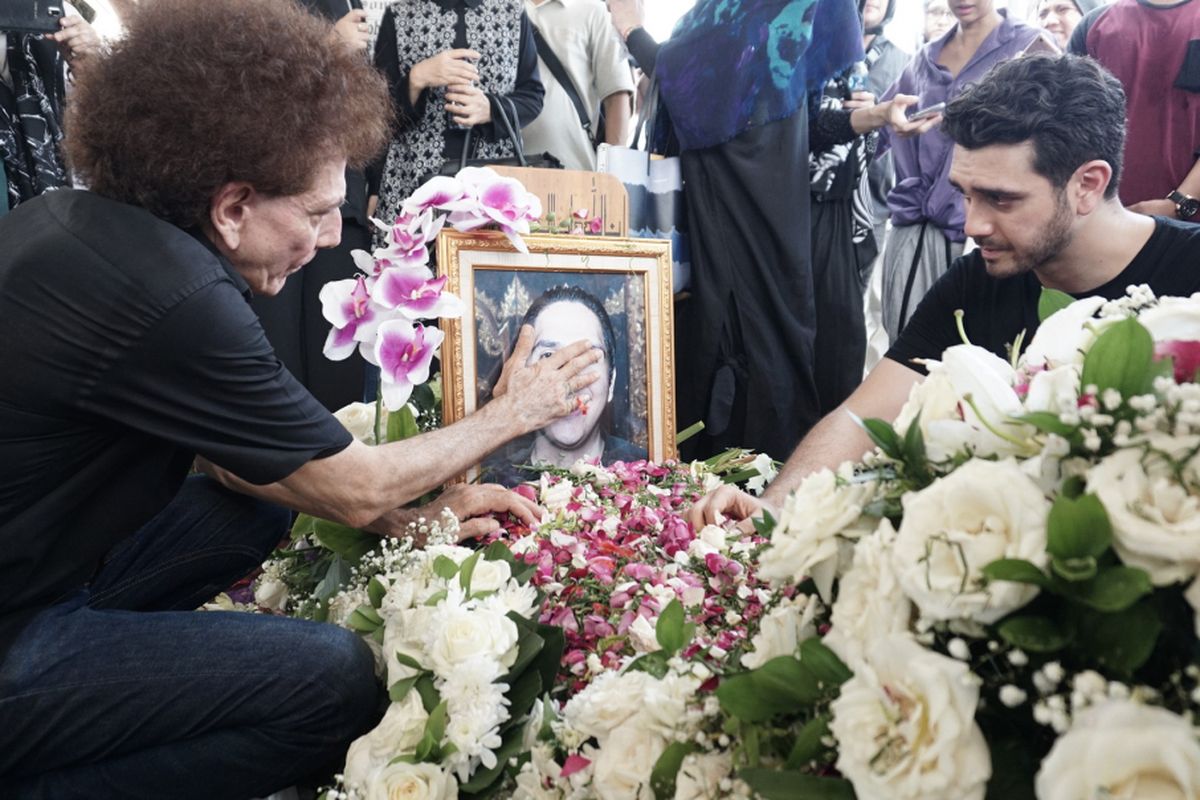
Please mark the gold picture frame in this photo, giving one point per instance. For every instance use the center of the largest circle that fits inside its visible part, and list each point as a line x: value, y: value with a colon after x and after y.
x: 630, y: 278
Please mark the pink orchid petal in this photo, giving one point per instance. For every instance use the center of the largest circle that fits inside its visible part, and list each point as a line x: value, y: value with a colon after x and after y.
x: 404, y: 352
x: 573, y: 764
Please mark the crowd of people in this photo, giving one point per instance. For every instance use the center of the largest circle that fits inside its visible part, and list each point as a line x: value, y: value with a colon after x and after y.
x: 165, y: 236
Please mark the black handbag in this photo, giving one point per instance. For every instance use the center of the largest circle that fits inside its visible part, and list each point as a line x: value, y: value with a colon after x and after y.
x: 501, y: 105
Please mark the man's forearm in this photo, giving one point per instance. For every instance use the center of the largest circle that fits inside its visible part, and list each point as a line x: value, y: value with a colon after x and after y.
x: 834, y: 439
x: 616, y: 118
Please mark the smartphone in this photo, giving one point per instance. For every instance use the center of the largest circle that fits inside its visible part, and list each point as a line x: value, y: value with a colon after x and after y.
x: 31, y: 16
x: 929, y: 111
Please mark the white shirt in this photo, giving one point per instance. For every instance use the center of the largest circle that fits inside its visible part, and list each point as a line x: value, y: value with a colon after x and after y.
x: 581, y: 34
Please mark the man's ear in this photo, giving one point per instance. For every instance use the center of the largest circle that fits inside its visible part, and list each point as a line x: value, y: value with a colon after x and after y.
x: 227, y: 213
x: 1091, y: 180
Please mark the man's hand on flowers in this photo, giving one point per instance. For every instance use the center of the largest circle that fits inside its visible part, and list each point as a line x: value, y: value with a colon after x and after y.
x: 353, y: 31
x: 545, y: 390
x: 76, y: 39
x: 475, y: 505
x: 727, y: 503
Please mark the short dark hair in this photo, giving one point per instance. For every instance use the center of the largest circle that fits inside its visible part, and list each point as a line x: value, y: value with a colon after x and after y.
x: 573, y: 294
x: 201, y: 93
x: 1070, y: 107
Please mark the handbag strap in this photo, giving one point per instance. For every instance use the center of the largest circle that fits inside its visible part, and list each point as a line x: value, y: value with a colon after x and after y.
x: 564, y: 79
x: 649, y: 110
x: 499, y: 115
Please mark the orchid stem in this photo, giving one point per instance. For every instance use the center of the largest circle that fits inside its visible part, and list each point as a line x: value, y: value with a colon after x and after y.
x: 379, y: 413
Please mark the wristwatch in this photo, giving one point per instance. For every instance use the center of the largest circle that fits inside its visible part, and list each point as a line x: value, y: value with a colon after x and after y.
x: 1186, y: 208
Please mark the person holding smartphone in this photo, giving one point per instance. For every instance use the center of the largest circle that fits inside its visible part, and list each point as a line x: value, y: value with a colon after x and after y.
x: 432, y: 54
x: 33, y: 83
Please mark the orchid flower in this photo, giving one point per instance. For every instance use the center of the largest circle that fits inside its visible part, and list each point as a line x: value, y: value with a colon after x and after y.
x: 415, y: 293
x: 437, y: 192
x: 347, y: 306
x: 404, y: 351
x: 408, y: 240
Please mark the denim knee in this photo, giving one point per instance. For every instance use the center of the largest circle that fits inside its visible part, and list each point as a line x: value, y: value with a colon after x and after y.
x: 342, y: 663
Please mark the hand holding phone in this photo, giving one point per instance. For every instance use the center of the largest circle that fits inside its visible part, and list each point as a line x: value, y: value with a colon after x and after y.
x: 30, y: 16
x: 927, y: 112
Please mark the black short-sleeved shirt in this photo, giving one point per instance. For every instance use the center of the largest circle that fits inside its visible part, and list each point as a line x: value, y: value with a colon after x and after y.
x: 127, y: 347
x: 997, y: 310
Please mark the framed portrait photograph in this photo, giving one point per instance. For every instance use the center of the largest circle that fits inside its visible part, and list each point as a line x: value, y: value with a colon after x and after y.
x: 614, y: 293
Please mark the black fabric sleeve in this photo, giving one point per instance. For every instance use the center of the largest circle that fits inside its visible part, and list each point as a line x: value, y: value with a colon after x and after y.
x: 644, y: 49
x: 829, y: 127
x: 1077, y: 45
x: 931, y: 329
x: 206, y: 379
x: 528, y: 93
x: 387, y: 61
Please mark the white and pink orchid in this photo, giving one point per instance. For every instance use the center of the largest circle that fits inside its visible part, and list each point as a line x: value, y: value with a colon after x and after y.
x: 377, y: 311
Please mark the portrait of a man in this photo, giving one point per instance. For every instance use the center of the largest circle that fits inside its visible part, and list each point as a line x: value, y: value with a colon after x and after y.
x: 560, y: 315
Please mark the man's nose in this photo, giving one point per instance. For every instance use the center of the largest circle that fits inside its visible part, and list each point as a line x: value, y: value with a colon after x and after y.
x: 979, y: 222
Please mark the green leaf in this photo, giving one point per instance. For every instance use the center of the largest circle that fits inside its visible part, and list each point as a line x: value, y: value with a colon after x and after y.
x: 349, y: 543
x: 400, y: 689
x: 824, y: 664
x: 670, y: 630
x: 529, y: 644
x: 1074, y: 570
x: 436, y: 724
x: 364, y: 619
x: 1047, y: 423
x: 522, y: 694
x: 1016, y: 570
x: 401, y: 424
x: 809, y: 747
x: 884, y: 436
x: 1033, y: 633
x: 466, y: 571
x: 305, y: 525
x: 764, y: 525
x: 666, y: 769
x: 430, y: 698
x: 1052, y: 300
x: 445, y: 567
x: 408, y: 661
x: 1115, y: 589
x: 436, y: 597
x: 653, y: 663
x: 781, y: 686
x: 1078, y: 527
x: 376, y: 591
x: 1122, y: 641
x: 1121, y: 359
x: 336, y: 576
x: 782, y: 784
x: 548, y: 660
x: 499, y: 551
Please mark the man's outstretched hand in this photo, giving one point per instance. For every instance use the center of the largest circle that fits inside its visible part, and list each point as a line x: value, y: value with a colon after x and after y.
x: 475, y: 505
x: 726, y: 504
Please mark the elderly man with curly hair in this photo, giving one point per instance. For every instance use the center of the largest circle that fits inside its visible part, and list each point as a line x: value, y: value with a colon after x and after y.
x: 215, y: 139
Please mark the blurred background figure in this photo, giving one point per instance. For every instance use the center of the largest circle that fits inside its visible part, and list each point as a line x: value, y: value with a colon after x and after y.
x: 33, y: 87
x: 1059, y: 17
x: 938, y: 20
x: 292, y: 319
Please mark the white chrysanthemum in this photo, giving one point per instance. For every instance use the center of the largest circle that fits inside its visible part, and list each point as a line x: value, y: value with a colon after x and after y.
x: 951, y: 530
x: 905, y: 726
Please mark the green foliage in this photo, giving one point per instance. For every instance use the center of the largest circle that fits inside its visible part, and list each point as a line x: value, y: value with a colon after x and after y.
x: 809, y: 746
x: 1115, y: 589
x: 824, y: 664
x: 1046, y: 422
x: 772, y: 784
x: 1052, y: 300
x: 400, y: 689
x: 364, y: 619
x: 1078, y: 528
x: 666, y: 769
x: 688, y: 432
x: 445, y: 567
x: 1121, y: 358
x: 376, y: 591
x: 349, y: 543
x: 401, y: 425
x: 1016, y: 570
x: 1036, y: 634
x: 884, y: 436
x: 466, y: 571
x: 672, y: 631
x: 1120, y: 642
x: 781, y: 686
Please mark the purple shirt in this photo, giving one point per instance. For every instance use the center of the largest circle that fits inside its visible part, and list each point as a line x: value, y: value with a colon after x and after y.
x: 923, y: 191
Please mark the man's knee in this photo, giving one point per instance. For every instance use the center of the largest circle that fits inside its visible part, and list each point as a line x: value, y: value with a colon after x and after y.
x: 341, y: 670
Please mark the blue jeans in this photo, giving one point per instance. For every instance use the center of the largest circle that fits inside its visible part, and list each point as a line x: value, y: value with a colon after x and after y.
x: 122, y: 691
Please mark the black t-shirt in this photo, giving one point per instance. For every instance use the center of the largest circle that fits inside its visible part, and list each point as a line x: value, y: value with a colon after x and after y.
x: 128, y: 347
x: 997, y: 310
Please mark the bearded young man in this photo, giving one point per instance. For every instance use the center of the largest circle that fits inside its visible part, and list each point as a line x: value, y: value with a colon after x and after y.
x: 215, y: 139
x: 1037, y: 159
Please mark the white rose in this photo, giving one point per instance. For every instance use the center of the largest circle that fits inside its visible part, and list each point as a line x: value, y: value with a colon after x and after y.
x: 405, y: 632
x: 905, y: 726
x: 271, y: 592
x: 701, y: 774
x: 1054, y: 390
x: 398, y: 733
x: 782, y: 630
x: 1122, y: 749
x: 459, y: 633
x: 402, y: 594
x: 813, y: 522
x: 359, y: 419
x: 1173, y: 319
x: 665, y: 701
x: 411, y: 782
x: 1155, y: 519
x: 1065, y: 336
x: 622, y: 766
x: 951, y: 530
x: 489, y: 576
x: 870, y: 603
x: 643, y: 636
x: 609, y: 700
x: 765, y: 466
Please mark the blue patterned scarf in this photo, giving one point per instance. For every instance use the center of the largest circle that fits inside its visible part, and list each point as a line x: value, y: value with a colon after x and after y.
x: 733, y: 64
